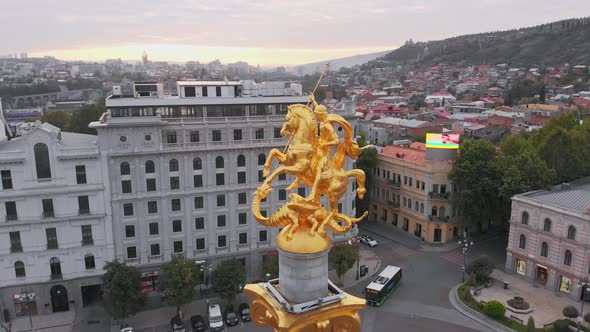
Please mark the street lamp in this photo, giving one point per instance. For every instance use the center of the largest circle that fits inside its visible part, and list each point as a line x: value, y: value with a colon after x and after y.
x: 206, y: 271
x: 267, y: 277
x: 29, y: 297
x: 465, y: 244
x: 583, y: 282
x: 357, y: 261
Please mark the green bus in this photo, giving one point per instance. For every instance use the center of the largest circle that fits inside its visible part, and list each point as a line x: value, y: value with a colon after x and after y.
x: 386, y: 282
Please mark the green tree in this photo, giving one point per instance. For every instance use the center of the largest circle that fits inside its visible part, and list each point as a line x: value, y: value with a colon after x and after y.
x: 476, y: 177
x: 587, y: 317
x: 121, y: 285
x: 366, y: 161
x: 178, y: 280
x: 542, y: 94
x: 59, y: 119
x: 320, y: 95
x: 561, y: 325
x: 82, y: 118
x: 481, y: 267
x: 530, y: 325
x: 270, y: 265
x: 228, y: 279
x: 494, y: 309
x: 570, y: 312
x: 342, y: 258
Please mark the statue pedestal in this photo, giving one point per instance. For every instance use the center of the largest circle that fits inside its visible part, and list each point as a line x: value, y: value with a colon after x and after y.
x: 303, y: 277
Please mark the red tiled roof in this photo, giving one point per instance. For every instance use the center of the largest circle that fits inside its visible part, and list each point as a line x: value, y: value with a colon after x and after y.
x: 415, y: 156
x: 386, y: 108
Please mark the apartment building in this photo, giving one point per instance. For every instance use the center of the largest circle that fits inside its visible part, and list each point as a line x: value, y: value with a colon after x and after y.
x: 549, y: 236
x: 55, y: 230
x: 412, y: 192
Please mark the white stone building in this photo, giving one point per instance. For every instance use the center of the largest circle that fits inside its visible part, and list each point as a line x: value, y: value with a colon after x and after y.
x: 55, y: 230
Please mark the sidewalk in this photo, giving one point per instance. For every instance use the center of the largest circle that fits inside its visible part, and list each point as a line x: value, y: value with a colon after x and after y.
x: 56, y: 322
x: 390, y: 232
x: 476, y: 316
x: 366, y: 257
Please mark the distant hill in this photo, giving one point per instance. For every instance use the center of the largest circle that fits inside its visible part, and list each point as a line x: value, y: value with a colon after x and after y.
x: 560, y: 42
x: 335, y: 64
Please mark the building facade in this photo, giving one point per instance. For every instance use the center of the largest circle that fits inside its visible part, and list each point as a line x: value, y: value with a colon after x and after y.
x: 412, y: 192
x: 55, y: 231
x: 549, y: 236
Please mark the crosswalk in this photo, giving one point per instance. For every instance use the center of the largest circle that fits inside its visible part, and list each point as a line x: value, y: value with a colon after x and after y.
x: 401, y: 251
x: 453, y: 257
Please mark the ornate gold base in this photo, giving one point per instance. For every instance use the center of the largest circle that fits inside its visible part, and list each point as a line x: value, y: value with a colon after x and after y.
x: 338, y: 317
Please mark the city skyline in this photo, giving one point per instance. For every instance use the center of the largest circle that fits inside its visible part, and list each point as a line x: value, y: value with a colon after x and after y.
x: 277, y: 33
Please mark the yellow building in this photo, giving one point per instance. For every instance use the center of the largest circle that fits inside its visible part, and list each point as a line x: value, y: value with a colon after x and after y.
x: 412, y: 191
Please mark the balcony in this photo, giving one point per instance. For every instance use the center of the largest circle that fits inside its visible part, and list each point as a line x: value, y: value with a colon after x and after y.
x: 48, y: 214
x: 83, y: 211
x: 87, y: 242
x: 56, y: 276
x: 16, y: 248
x: 52, y: 245
x: 439, y: 218
x: 441, y: 196
x: 392, y: 204
x: 11, y: 217
x: 395, y: 184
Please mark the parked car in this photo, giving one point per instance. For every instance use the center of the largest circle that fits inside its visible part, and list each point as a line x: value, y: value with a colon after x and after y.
x: 215, y: 318
x: 176, y: 324
x: 198, y: 323
x: 231, y: 318
x: 244, y: 311
x: 127, y: 329
x: 365, y: 239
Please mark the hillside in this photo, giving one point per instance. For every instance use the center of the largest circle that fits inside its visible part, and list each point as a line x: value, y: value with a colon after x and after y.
x: 559, y: 42
x: 336, y: 64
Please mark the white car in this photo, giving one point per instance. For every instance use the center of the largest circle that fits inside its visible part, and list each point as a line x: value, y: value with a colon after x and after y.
x: 365, y: 239
x: 127, y: 329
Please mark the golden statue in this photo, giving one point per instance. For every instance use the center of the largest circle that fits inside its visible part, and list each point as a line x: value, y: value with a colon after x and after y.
x: 309, y: 158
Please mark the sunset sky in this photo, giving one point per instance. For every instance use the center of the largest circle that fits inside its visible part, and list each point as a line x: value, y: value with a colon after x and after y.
x: 259, y: 32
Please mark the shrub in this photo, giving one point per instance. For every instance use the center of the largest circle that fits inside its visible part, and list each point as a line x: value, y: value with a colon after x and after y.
x: 570, y: 312
x: 587, y: 317
x: 481, y: 267
x: 494, y: 309
x: 561, y: 325
x: 471, y: 281
x: 530, y: 325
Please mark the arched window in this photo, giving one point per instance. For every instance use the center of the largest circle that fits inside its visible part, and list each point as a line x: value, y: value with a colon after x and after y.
x: 150, y: 167
x: 241, y: 161
x: 571, y: 233
x: 434, y: 211
x: 197, y: 163
x: 19, y: 269
x: 525, y: 218
x: 522, y: 242
x: 89, y: 262
x: 55, y: 266
x: 422, y: 207
x: 173, y: 165
x: 125, y: 169
x: 544, y: 249
x: 441, y: 211
x: 261, y: 159
x: 567, y: 259
x: 547, y: 225
x: 42, y: 161
x: 219, y: 162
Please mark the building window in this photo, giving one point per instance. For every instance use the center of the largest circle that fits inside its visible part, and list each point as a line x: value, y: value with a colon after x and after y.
x: 200, y: 244
x: 219, y: 179
x: 197, y: 164
x: 241, y: 177
x: 155, y: 249
x: 194, y: 137
x: 221, y: 241
x: 87, y: 239
x: 219, y: 162
x: 544, y: 249
x: 15, y: 243
x: 241, y: 161
x: 301, y: 191
x: 55, y: 268
x: 282, y: 194
x: 176, y: 226
x: 241, y: 198
x: 524, y: 218
x: 175, y: 204
x: 173, y: 165
x: 242, y: 218
x: 174, y: 182
x: 131, y: 252
x: 125, y: 168
x: 152, y: 207
x: 571, y: 233
x: 83, y: 205
x: 51, y: 234
x: 283, y: 177
x: 260, y: 176
x: 220, y: 200
x: 126, y: 186
x: 221, y: 220
x: 150, y: 167
x: 150, y: 184
x: 567, y: 259
x: 171, y: 138
x: 178, y: 247
x: 189, y: 91
x: 129, y: 231
x: 198, y: 180
x: 154, y: 228
x: 243, y: 238
x: 19, y: 269
x: 216, y: 135
x: 89, y: 262
x: 42, y: 161
x: 260, y: 133
x: 199, y: 223
x: 262, y: 236
x: 48, y: 211
x: 80, y: 174
x: 7, y: 179
x: 204, y: 91
x: 237, y: 134
x: 522, y: 242
x: 128, y: 209
x: 261, y: 159
x: 277, y: 131
x: 218, y: 91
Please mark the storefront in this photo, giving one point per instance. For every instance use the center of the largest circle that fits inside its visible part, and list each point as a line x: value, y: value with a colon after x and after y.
x: 541, y: 275
x: 520, y: 267
x: 149, y: 281
x: 25, y: 304
x: 565, y: 284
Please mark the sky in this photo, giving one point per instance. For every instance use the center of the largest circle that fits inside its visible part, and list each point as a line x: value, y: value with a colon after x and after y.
x: 265, y: 33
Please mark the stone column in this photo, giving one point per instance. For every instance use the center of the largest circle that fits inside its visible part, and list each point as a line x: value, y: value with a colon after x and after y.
x: 303, y: 277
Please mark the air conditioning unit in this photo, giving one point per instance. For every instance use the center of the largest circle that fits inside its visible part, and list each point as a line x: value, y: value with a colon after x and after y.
x: 116, y: 90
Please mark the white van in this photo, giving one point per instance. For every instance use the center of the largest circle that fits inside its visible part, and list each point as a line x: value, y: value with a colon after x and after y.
x: 215, y: 318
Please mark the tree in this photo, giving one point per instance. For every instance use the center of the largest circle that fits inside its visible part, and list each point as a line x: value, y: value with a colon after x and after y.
x: 530, y: 324
x: 476, y: 178
x: 122, y: 294
x: 270, y: 265
x: 178, y: 280
x: 587, y: 317
x: 481, y: 267
x: 494, y: 309
x: 228, y: 279
x: 542, y: 94
x: 342, y: 258
x: 59, y: 119
x: 570, y: 312
x: 366, y: 161
x: 561, y: 325
x: 319, y: 95
x: 82, y: 118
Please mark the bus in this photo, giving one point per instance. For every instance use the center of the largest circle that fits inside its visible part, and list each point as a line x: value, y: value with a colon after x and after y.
x: 386, y: 282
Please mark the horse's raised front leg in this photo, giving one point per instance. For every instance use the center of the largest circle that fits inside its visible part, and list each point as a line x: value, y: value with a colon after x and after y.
x: 360, y: 177
x: 274, y: 153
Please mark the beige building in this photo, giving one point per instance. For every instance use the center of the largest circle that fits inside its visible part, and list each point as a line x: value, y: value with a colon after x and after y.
x: 412, y: 191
